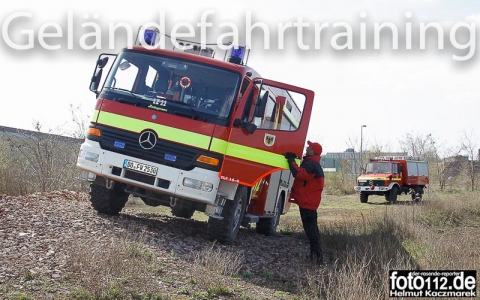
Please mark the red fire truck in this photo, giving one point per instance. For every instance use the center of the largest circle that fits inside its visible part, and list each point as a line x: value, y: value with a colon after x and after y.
x: 391, y: 176
x: 195, y: 133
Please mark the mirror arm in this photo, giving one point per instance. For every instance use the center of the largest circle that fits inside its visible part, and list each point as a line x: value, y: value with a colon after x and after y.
x: 238, y: 123
x: 249, y: 127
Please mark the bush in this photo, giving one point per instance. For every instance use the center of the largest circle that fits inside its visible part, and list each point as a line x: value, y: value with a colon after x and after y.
x: 38, y: 162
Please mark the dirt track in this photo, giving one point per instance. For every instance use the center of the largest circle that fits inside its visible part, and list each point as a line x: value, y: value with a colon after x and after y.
x: 37, y: 232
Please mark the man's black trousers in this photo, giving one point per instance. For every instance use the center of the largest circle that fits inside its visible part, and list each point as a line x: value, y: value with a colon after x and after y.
x: 309, y: 221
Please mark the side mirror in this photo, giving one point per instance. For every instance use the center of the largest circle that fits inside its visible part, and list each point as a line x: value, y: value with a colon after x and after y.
x: 249, y: 127
x: 102, y: 62
x: 95, y: 81
x: 400, y: 168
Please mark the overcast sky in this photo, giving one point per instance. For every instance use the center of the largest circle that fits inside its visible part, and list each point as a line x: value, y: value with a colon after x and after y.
x: 393, y: 92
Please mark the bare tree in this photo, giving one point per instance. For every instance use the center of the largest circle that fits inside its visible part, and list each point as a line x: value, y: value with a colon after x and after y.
x: 469, y: 144
x: 419, y: 145
x: 445, y: 166
x: 355, y: 164
x: 79, y: 122
x: 347, y: 180
x: 427, y: 147
x: 376, y: 149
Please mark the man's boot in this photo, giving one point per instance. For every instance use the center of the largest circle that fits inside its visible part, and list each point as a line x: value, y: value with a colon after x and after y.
x: 312, y: 255
x: 317, y: 254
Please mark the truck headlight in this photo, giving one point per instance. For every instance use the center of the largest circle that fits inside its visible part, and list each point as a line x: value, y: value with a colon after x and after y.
x: 91, y: 156
x: 198, y: 184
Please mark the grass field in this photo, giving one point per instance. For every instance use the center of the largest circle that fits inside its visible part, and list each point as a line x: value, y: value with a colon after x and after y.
x: 361, y: 242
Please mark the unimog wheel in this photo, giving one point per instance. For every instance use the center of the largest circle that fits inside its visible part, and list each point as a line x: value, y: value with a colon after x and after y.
x: 268, y: 226
x: 417, y: 194
x: 183, y: 209
x: 225, y: 230
x: 363, y: 197
x: 393, y: 195
x: 109, y: 202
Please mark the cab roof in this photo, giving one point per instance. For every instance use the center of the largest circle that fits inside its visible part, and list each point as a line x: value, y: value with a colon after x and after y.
x: 243, y: 69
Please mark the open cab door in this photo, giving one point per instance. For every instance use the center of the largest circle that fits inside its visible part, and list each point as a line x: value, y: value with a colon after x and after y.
x: 272, y: 118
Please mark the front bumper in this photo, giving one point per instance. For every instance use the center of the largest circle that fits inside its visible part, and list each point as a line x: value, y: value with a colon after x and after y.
x: 168, y: 180
x: 360, y: 188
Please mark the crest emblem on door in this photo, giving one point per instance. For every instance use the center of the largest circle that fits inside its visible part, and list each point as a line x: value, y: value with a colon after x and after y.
x: 269, y: 139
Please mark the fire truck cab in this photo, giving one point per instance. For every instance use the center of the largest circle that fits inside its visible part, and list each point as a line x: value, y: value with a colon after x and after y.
x: 391, y: 176
x: 195, y: 133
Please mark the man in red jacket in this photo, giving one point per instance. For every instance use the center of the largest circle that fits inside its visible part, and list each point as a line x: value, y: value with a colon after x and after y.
x: 307, y: 193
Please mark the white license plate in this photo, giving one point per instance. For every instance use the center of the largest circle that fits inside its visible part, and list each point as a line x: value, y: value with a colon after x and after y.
x: 139, y: 167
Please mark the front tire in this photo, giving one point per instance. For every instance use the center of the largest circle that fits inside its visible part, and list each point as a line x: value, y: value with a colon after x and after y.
x: 363, y: 197
x: 268, y: 226
x: 225, y: 230
x: 109, y: 202
x: 393, y: 195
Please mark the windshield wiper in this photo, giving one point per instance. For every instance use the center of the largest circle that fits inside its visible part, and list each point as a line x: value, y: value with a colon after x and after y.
x: 125, y: 90
x: 196, y: 114
x: 123, y: 100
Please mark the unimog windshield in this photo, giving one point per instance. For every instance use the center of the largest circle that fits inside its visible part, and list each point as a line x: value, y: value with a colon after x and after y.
x: 378, y: 167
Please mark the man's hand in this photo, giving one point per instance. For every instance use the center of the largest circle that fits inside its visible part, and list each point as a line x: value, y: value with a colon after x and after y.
x: 290, y: 155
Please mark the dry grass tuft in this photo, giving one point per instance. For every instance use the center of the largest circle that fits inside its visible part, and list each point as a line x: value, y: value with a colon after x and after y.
x: 109, y: 269
x: 219, y: 261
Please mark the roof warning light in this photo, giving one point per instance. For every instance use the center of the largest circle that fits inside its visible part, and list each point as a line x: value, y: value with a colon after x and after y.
x: 236, y: 55
x: 150, y: 37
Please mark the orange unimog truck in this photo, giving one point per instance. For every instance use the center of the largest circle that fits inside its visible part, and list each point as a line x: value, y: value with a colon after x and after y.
x: 195, y: 133
x: 391, y: 176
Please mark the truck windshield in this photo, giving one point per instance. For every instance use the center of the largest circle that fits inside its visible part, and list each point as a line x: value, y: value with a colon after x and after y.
x: 172, y: 86
x: 379, y: 167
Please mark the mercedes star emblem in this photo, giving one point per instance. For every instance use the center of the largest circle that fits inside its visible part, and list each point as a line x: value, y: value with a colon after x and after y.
x: 147, y: 140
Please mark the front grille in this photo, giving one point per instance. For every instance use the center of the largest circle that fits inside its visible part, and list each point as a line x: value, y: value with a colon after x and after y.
x: 184, y: 156
x: 373, y: 182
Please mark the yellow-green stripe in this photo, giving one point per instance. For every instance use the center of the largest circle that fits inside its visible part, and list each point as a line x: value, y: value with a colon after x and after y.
x: 248, y: 153
x: 256, y: 155
x: 95, y: 115
x: 194, y: 139
x: 164, y: 132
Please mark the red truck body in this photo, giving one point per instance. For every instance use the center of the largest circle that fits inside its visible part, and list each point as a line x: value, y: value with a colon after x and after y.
x: 193, y: 133
x: 391, y: 176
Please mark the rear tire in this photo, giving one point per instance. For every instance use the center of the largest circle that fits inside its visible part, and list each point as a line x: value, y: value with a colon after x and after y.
x: 363, y: 197
x: 109, y: 202
x: 393, y: 194
x: 417, y: 194
x: 268, y: 226
x: 225, y: 230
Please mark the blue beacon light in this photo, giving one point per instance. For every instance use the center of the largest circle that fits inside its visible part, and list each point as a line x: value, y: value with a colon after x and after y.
x: 150, y: 37
x: 237, y: 55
